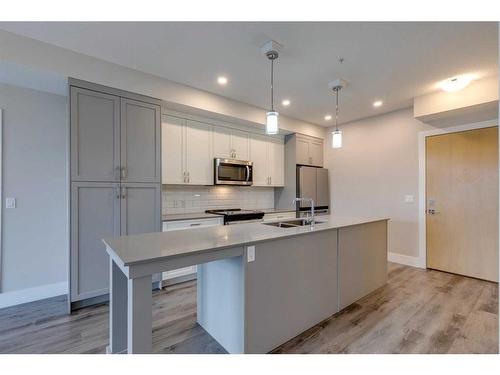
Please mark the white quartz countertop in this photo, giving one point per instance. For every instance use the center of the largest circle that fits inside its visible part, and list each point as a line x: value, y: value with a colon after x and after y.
x: 149, y: 247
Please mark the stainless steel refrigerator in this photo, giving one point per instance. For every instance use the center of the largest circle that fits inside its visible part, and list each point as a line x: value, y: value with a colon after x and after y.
x: 313, y: 183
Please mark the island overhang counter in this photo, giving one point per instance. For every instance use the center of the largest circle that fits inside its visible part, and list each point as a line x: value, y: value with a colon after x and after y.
x: 258, y: 285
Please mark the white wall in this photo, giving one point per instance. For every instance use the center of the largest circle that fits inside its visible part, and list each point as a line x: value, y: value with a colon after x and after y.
x: 189, y: 199
x: 21, y: 50
x: 35, y: 234
x: 374, y: 170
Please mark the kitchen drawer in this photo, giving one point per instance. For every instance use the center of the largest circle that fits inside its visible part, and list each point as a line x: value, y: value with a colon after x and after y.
x: 279, y: 216
x: 189, y: 224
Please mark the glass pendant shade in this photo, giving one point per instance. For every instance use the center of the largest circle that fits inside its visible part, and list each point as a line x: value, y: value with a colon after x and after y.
x: 272, y: 122
x: 336, y: 139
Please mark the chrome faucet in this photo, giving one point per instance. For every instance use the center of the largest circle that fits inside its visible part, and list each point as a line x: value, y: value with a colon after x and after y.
x: 309, y: 219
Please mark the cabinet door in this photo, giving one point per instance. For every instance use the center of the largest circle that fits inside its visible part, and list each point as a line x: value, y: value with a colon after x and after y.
x: 276, y: 162
x: 140, y: 141
x: 259, y: 157
x: 199, y: 161
x: 222, y: 142
x: 302, y: 151
x: 95, y: 214
x: 316, y: 153
x: 172, y: 150
x: 240, y: 143
x: 95, y: 136
x: 140, y: 208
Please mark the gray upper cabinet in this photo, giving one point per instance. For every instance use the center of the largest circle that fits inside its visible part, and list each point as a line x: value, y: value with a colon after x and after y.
x: 140, y: 141
x: 95, y: 136
x: 95, y: 214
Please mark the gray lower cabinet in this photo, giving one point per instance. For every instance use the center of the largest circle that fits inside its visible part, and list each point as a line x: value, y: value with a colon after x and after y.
x: 140, y: 208
x: 100, y: 210
x: 95, y: 214
x: 95, y: 135
x: 140, y: 141
x: 362, y: 260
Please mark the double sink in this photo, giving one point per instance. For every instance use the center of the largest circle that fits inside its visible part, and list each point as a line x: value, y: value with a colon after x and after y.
x: 292, y: 223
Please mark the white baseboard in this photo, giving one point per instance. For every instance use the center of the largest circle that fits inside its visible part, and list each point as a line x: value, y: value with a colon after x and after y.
x: 18, y: 297
x: 405, y: 259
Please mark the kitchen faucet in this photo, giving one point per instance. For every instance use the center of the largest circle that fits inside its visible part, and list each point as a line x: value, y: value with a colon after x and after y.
x: 309, y: 219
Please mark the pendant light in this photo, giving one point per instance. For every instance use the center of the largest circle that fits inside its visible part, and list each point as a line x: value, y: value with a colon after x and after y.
x: 336, y: 86
x: 272, y: 116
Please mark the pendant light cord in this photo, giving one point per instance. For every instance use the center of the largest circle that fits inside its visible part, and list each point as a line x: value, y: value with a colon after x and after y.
x: 272, y: 85
x: 337, y: 108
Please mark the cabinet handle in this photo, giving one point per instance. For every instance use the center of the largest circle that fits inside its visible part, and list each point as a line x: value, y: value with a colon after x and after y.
x: 194, y: 224
x: 124, y: 194
x: 124, y: 172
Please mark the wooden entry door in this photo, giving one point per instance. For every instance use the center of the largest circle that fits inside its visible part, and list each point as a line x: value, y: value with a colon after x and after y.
x: 462, y: 203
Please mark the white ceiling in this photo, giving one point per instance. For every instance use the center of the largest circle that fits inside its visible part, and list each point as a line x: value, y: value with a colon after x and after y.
x: 393, y: 62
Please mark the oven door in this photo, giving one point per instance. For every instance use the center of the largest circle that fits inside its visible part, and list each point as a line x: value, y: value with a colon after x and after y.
x: 233, y: 172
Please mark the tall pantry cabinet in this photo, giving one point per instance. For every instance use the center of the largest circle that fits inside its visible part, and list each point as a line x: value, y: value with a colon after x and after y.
x: 115, y: 162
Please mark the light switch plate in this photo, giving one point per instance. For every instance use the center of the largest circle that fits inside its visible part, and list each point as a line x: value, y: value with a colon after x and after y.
x: 250, y: 254
x: 409, y: 199
x: 10, y: 202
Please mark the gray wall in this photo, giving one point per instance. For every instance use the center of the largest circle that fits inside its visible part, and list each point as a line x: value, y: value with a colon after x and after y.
x: 35, y: 234
x: 374, y: 170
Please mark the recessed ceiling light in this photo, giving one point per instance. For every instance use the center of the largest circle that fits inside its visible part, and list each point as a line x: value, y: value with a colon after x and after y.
x: 456, y: 83
x: 378, y: 103
x: 286, y: 102
x: 328, y: 117
x: 222, y: 80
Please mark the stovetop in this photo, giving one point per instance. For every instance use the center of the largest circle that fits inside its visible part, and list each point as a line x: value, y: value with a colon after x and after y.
x: 233, y: 211
x: 237, y: 214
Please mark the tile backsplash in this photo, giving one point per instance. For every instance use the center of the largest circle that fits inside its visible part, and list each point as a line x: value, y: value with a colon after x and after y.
x: 186, y: 199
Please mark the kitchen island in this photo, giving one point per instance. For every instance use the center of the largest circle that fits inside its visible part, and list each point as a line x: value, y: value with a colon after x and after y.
x: 259, y: 285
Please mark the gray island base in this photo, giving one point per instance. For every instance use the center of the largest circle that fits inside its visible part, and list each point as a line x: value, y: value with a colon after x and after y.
x: 258, y: 285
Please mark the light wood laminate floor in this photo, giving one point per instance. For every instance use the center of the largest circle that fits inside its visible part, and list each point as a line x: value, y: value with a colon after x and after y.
x: 418, y: 311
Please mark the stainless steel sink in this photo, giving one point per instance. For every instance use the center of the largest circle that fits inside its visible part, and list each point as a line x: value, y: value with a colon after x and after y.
x: 292, y: 223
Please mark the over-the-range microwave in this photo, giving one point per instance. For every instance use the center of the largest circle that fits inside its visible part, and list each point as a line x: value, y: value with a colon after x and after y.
x: 233, y: 172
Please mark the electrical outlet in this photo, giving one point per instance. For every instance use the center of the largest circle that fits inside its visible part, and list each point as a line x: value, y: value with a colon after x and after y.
x: 250, y: 254
x: 10, y: 202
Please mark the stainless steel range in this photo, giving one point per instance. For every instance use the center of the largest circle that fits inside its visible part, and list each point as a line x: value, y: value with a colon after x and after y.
x: 238, y: 216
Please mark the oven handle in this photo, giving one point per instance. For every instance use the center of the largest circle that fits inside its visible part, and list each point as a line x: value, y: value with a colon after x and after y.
x: 248, y: 173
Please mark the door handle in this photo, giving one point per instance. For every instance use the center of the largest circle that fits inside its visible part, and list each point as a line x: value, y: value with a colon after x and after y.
x: 432, y: 211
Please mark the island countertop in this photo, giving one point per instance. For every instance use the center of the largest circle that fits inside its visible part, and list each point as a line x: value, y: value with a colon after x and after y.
x: 149, y: 247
